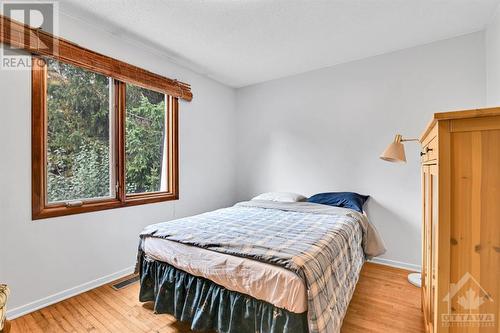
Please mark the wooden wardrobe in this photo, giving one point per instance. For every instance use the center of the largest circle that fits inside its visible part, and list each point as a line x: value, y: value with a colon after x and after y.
x: 461, y: 221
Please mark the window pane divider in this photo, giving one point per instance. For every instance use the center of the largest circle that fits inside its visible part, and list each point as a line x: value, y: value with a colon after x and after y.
x: 120, y: 95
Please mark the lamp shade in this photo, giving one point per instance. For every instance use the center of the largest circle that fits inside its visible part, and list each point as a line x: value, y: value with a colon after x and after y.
x: 395, y: 152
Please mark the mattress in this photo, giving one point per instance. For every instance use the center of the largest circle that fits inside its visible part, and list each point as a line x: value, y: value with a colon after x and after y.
x: 265, y: 282
x: 273, y: 252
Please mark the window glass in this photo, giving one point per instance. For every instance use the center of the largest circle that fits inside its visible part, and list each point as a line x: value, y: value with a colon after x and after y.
x: 145, y: 141
x: 78, y: 134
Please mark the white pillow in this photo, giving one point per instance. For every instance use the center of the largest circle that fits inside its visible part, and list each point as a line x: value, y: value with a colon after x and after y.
x: 280, y: 196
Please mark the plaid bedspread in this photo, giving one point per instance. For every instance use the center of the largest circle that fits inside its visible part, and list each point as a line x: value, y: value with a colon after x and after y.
x: 324, y: 248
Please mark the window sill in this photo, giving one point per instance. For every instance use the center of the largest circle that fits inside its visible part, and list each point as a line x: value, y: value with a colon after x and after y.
x: 94, y: 206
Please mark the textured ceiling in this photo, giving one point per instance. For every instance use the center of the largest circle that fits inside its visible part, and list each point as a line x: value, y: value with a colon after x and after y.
x: 242, y: 42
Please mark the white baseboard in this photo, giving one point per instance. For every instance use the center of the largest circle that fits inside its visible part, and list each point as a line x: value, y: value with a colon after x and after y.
x: 46, y: 301
x: 397, y: 264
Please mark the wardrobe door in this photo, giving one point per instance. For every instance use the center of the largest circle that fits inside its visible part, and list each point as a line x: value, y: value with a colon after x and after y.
x: 427, y: 257
x: 433, y: 226
x: 475, y: 227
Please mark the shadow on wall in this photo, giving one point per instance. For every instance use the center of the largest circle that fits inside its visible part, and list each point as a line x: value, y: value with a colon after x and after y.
x: 391, y: 226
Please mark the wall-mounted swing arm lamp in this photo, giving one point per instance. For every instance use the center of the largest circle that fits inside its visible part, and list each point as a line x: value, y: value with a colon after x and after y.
x: 395, y: 152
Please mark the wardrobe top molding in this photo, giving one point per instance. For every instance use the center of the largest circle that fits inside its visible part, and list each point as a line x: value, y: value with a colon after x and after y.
x: 455, y: 115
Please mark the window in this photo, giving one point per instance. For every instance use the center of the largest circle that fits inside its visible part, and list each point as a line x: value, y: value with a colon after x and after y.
x: 99, y: 142
x: 79, y: 134
x: 145, y: 141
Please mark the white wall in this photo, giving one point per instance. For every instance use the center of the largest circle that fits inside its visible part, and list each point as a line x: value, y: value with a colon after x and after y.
x: 324, y: 130
x: 493, y: 61
x: 43, y: 258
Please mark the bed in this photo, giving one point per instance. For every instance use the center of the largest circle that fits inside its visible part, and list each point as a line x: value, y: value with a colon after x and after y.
x: 259, y: 266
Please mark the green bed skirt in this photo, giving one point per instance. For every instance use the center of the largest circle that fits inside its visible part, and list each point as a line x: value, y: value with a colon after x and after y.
x: 208, y: 306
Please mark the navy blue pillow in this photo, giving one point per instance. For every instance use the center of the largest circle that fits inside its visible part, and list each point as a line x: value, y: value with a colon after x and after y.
x: 341, y: 199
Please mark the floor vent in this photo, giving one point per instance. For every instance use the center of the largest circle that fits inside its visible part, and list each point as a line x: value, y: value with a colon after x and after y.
x: 124, y: 283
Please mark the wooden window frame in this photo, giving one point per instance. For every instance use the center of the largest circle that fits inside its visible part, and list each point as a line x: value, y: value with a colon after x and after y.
x: 41, y: 209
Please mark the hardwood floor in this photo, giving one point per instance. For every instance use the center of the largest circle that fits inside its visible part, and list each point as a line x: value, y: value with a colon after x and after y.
x: 383, y: 302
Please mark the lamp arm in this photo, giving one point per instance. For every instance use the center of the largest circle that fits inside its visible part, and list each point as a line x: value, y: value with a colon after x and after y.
x: 410, y: 139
